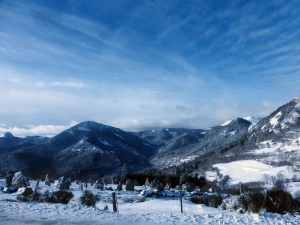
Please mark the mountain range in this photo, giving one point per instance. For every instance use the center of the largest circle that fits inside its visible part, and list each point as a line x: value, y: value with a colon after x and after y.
x: 93, y: 148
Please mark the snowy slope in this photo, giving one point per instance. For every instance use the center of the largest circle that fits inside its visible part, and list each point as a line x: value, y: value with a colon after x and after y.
x: 152, y: 211
x: 250, y: 170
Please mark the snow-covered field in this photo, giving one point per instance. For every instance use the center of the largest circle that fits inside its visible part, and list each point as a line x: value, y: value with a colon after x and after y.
x: 131, y: 210
x: 250, y: 170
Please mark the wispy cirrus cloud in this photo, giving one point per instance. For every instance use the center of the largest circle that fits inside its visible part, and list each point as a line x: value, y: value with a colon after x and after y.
x: 136, y: 64
x: 67, y: 84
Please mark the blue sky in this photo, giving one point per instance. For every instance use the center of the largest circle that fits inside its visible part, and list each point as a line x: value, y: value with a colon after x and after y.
x: 144, y: 64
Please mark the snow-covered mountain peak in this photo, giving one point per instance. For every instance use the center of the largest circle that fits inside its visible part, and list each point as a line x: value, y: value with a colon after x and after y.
x: 251, y: 119
x: 89, y: 126
x: 226, y: 122
x: 297, y: 98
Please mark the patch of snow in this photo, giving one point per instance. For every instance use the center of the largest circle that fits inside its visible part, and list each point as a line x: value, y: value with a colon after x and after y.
x: 176, y: 161
x: 226, y: 122
x: 292, y: 118
x: 269, y: 146
x: 83, y: 145
x: 70, y: 131
x: 253, y: 119
x: 274, y: 120
x: 232, y: 133
x: 104, y: 142
x: 119, y: 136
x: 83, y: 128
x: 146, y: 143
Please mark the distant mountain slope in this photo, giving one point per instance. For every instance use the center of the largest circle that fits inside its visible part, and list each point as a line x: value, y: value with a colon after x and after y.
x: 190, y: 146
x: 94, y: 148
x: 282, y: 123
x: 8, y: 140
x: 275, y: 141
x: 160, y: 136
x: 86, y: 147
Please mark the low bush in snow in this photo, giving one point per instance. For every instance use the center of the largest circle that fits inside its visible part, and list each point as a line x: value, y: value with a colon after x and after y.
x: 35, y: 197
x: 209, y: 200
x: 280, y: 201
x: 88, y: 198
x: 60, y: 196
x: 252, y: 202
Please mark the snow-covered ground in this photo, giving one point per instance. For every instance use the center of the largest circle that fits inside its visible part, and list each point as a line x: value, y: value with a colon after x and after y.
x: 131, y: 210
x: 250, y: 171
x: 290, y: 145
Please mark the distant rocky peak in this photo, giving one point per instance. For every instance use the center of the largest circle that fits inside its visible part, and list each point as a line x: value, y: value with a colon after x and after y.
x: 251, y: 119
x: 297, y: 99
x: 89, y: 126
x: 8, y: 135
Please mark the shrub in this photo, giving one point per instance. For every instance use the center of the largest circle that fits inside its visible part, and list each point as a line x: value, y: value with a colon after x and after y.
x: 49, y: 197
x: 209, y: 200
x: 280, y: 201
x: 23, y: 198
x: 256, y: 202
x: 236, y: 202
x: 88, y: 198
x: 60, y: 196
x: 214, y: 201
x: 198, y: 200
x: 35, y: 197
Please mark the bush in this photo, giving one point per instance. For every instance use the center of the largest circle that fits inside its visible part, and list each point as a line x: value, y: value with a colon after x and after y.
x: 281, y: 202
x: 209, y: 200
x: 48, y: 197
x: 88, y: 198
x: 60, y: 196
x: 35, y: 197
x: 236, y: 202
x: 256, y: 203
x: 198, y: 200
x: 214, y: 201
x: 23, y: 198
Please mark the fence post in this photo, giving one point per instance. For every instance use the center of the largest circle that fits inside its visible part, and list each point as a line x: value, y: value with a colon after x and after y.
x: 36, y: 186
x: 265, y: 197
x: 114, y: 201
x: 241, y: 188
x: 181, y: 201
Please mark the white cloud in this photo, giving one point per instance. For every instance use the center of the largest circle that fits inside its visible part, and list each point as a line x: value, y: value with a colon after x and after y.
x: 40, y: 84
x: 42, y: 130
x: 14, y: 80
x: 68, y: 84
